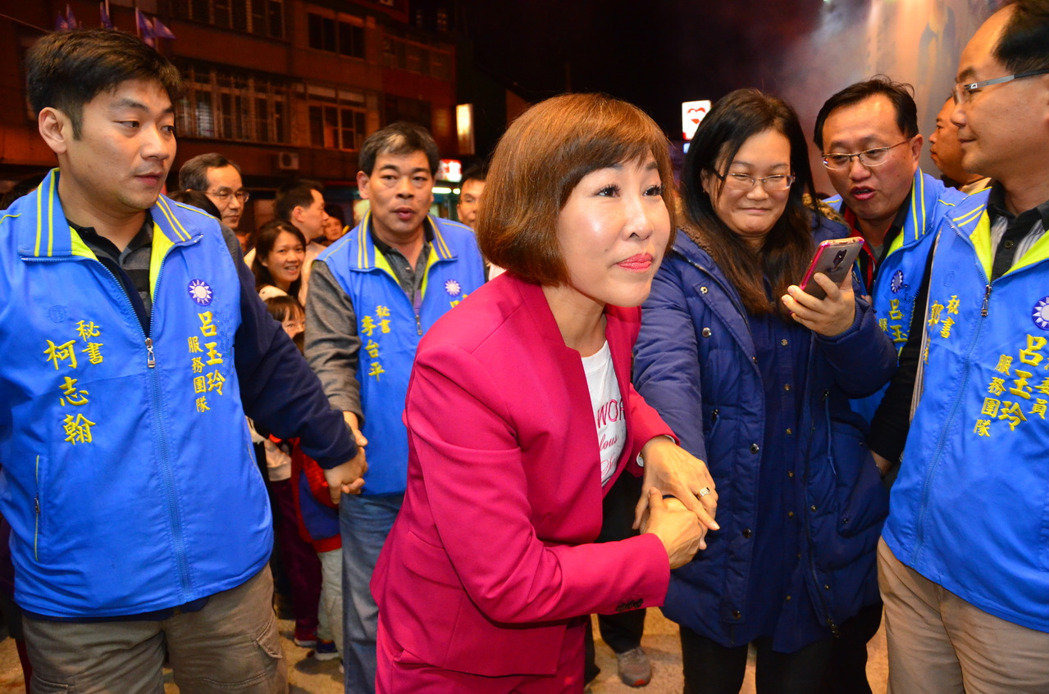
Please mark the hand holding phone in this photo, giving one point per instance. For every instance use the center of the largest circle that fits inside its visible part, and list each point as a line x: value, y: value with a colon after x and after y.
x: 834, y: 258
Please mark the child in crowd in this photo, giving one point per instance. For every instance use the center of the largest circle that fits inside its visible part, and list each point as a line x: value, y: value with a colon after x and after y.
x: 296, y: 557
x: 317, y: 518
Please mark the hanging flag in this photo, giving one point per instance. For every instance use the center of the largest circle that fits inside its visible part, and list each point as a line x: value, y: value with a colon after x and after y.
x: 70, y: 19
x: 144, y: 28
x: 103, y: 13
x: 161, y: 31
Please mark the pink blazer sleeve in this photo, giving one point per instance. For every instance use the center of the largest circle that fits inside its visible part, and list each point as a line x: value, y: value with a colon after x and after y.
x: 475, y: 473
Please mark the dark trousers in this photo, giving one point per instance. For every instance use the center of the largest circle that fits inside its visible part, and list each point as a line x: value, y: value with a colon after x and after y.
x: 622, y: 631
x: 847, y: 671
x: 297, y: 559
x: 713, y: 669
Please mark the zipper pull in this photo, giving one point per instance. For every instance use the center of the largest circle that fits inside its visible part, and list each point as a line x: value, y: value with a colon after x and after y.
x: 986, y: 299
x: 151, y: 361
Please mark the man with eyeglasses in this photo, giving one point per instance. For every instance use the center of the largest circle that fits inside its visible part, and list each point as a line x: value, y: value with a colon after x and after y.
x: 219, y: 179
x: 868, y: 134
x: 964, y: 557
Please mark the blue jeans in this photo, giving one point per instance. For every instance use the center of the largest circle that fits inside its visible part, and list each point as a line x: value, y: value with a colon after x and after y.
x: 364, y: 522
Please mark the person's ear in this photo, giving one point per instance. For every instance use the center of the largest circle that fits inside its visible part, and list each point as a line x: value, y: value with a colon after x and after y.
x: 56, y: 128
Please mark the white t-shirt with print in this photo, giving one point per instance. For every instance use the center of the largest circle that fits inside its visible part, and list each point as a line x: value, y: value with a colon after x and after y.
x: 607, y: 402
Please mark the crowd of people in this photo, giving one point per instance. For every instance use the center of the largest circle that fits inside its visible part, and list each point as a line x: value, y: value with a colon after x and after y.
x: 446, y: 443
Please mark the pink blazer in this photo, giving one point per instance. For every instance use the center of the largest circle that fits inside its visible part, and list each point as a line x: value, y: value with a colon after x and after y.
x: 492, y: 552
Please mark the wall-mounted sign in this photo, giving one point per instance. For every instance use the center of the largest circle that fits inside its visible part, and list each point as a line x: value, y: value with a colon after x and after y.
x: 692, y: 112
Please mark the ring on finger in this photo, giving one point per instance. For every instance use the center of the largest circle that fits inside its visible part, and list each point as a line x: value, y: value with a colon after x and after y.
x: 704, y: 491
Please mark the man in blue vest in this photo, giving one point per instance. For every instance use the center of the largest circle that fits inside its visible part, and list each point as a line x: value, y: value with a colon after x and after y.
x: 868, y: 134
x: 964, y: 561
x: 134, y: 345
x: 373, y: 293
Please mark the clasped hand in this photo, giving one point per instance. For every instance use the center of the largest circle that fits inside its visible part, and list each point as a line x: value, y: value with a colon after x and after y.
x: 683, y: 524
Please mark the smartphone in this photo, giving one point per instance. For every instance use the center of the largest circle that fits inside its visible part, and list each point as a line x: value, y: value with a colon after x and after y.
x: 834, y: 258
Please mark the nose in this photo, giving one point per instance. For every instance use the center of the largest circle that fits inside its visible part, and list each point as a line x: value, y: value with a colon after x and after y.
x: 404, y: 187
x: 958, y: 116
x: 234, y: 203
x: 857, y: 170
x: 156, y: 143
x: 757, y: 191
x: 637, y: 222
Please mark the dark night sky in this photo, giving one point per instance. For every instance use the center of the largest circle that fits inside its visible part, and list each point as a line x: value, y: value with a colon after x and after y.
x: 655, y: 54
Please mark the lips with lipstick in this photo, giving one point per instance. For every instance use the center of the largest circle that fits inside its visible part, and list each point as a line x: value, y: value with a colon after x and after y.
x: 640, y: 262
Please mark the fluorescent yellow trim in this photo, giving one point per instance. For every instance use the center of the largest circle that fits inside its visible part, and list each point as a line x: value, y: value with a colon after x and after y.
x: 78, y: 247
x: 430, y: 260
x: 1035, y: 254
x: 439, y: 240
x: 969, y: 216
x: 897, y: 244
x: 174, y: 223
x: 161, y: 245
x: 914, y: 204
x: 51, y: 218
x: 382, y: 264
x: 981, y: 238
x: 362, y: 243
x: 39, y: 218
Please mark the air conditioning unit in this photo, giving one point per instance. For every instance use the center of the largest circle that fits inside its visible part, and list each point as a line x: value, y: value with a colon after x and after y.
x: 288, y: 161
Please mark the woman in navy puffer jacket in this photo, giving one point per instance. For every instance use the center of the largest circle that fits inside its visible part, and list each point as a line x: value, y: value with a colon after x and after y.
x: 755, y: 377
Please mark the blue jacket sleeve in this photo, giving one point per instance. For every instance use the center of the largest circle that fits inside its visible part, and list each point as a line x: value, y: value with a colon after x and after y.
x: 862, y: 359
x: 666, y: 360
x: 277, y: 387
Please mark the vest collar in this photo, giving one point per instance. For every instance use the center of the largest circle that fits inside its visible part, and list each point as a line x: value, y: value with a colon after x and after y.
x: 366, y: 252
x: 52, y: 237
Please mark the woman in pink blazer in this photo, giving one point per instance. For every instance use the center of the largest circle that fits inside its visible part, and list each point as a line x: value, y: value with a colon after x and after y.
x: 520, y: 414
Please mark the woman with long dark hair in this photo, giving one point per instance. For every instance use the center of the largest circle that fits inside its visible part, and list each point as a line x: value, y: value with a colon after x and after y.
x: 279, y: 252
x: 754, y: 375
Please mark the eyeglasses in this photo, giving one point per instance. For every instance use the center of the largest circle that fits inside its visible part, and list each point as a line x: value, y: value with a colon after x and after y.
x: 963, y: 92
x: 224, y: 194
x: 746, y: 182
x: 868, y: 157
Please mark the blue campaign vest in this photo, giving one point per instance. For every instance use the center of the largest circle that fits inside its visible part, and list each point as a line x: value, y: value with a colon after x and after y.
x: 128, y: 476
x: 390, y: 331
x: 970, y: 508
x: 899, y: 276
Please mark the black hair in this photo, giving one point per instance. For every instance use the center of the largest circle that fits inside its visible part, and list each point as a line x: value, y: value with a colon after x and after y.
x: 282, y: 306
x: 67, y: 69
x: 298, y: 193
x: 336, y: 211
x: 1023, y: 45
x: 399, y: 138
x: 477, y: 172
x: 198, y: 199
x: 900, y: 94
x: 265, y: 240
x: 733, y: 120
x: 194, y: 173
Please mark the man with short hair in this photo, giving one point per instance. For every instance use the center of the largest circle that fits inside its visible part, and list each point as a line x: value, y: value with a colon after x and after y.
x: 470, y: 195
x: 301, y: 203
x: 135, y: 344
x: 868, y: 134
x: 964, y: 558
x: 946, y: 153
x: 219, y: 179
x: 373, y: 294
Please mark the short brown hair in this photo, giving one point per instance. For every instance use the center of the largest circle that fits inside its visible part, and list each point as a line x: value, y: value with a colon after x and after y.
x: 540, y: 160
